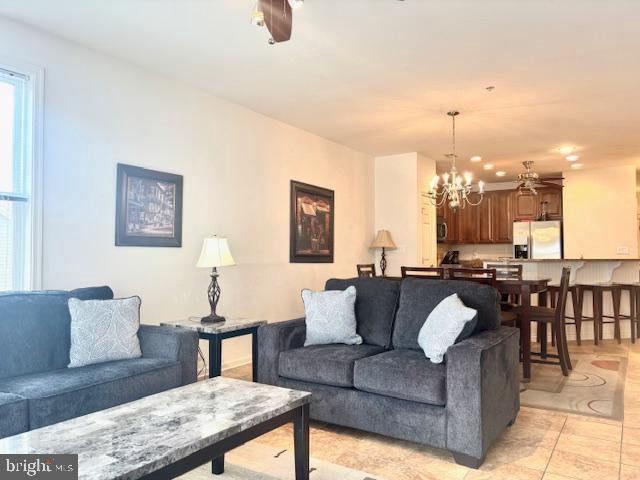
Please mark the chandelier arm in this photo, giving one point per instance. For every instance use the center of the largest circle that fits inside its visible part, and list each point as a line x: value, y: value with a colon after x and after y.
x: 476, y: 203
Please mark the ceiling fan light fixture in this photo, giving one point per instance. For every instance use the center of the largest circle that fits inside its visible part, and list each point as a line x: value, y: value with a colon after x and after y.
x: 296, y: 4
x: 257, y: 16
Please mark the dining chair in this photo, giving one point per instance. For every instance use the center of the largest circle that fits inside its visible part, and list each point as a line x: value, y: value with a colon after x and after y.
x: 435, y: 273
x: 556, y: 318
x: 508, y: 271
x: 366, y: 269
x: 487, y: 276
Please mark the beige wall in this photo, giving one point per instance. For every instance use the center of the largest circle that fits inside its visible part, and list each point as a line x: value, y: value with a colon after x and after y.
x: 399, y: 180
x: 600, y: 213
x: 236, y: 166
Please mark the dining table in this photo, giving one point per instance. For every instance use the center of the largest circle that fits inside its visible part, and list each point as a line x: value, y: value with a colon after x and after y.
x: 525, y: 288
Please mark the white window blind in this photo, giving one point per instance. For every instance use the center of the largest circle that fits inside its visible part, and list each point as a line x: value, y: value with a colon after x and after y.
x: 16, y: 181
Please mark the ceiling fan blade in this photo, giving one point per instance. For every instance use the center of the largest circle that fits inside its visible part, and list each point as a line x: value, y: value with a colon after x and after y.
x: 278, y: 18
x: 552, y: 185
x: 551, y: 178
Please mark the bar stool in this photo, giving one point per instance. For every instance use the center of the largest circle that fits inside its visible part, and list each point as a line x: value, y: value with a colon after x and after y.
x: 597, y: 291
x: 554, y: 291
x: 634, y: 306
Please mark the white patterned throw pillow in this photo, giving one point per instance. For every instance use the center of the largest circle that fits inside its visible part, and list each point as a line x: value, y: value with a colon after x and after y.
x: 104, y: 330
x: 443, y: 326
x: 331, y: 317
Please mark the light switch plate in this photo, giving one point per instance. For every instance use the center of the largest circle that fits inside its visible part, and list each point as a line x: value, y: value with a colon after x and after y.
x: 622, y: 250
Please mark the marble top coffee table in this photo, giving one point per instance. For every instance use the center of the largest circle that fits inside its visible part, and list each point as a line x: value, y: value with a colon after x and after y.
x: 216, y: 332
x: 170, y: 433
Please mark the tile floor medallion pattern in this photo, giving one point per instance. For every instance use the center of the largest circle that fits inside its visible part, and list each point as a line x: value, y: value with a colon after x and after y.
x: 541, y: 445
x: 257, y: 461
x: 595, y: 386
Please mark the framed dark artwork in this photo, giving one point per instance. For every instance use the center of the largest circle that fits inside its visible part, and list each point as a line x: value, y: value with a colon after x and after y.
x: 311, y: 230
x: 148, y: 208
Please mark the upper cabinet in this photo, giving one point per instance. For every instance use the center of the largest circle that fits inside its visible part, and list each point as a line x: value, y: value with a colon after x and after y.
x: 492, y: 220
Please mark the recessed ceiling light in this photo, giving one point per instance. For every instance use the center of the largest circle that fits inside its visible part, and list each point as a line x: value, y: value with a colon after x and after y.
x: 500, y: 173
x: 476, y: 158
x: 488, y: 166
x: 572, y: 158
x: 566, y: 149
x: 576, y: 165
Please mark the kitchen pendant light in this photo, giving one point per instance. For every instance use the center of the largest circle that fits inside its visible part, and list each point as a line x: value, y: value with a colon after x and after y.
x: 455, y: 188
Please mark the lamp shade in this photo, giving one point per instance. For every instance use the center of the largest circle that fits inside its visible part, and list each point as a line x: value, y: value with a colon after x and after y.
x: 383, y: 240
x: 215, y: 253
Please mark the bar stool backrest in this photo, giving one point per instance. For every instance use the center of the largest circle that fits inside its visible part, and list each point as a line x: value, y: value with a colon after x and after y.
x: 422, y: 272
x: 562, y: 295
x: 507, y: 271
x: 478, y: 275
x: 366, y: 269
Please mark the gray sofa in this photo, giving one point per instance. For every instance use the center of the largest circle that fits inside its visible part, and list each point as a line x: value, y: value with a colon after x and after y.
x: 387, y: 385
x: 37, y: 388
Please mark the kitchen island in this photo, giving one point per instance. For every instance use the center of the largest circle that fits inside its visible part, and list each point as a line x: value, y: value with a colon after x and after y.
x: 586, y: 271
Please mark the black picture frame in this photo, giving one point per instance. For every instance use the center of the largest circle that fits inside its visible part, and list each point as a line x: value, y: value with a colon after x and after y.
x: 311, y: 241
x: 148, y: 208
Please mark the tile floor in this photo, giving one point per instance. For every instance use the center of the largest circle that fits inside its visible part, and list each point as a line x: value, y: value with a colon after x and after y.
x: 541, y: 445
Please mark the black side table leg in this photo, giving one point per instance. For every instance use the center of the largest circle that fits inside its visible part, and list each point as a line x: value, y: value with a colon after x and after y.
x: 254, y: 354
x: 301, y: 442
x: 217, y: 465
x: 215, y: 356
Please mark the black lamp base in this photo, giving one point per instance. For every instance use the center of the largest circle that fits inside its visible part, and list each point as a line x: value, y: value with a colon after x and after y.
x: 212, y: 319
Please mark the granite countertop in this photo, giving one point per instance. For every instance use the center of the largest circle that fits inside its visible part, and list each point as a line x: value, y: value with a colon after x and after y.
x: 533, y: 260
x: 140, y: 437
x: 229, y: 325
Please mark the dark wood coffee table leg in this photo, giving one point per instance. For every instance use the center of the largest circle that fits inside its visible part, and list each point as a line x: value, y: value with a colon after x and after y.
x: 217, y: 465
x: 525, y: 331
x: 301, y: 442
x: 254, y: 354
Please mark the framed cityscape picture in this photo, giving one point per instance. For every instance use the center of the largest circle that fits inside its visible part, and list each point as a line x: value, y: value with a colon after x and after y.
x: 148, y: 208
x: 312, y: 219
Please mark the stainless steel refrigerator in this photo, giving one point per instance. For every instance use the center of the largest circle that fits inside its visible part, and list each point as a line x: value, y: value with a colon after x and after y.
x: 537, y: 240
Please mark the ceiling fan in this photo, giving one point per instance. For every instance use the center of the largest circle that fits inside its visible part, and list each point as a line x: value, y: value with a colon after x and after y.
x: 277, y: 16
x: 529, y: 180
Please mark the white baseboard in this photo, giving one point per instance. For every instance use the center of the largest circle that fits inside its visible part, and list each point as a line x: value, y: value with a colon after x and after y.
x: 239, y: 362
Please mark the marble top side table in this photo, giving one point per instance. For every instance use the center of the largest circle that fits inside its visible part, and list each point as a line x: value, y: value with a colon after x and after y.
x: 216, y: 332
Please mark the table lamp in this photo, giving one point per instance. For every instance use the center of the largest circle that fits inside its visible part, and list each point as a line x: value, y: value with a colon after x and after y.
x: 383, y: 240
x: 215, y: 253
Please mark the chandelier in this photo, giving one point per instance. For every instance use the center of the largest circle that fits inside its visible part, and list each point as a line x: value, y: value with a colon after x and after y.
x: 455, y: 188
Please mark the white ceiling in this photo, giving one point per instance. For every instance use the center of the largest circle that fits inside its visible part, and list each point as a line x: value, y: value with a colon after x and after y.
x: 379, y: 75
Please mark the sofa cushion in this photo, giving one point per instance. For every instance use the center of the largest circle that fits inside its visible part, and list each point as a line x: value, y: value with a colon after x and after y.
x: 35, y: 329
x: 70, y: 392
x: 330, y: 317
x: 404, y: 374
x: 376, y: 303
x: 418, y: 297
x: 326, y: 364
x: 14, y: 414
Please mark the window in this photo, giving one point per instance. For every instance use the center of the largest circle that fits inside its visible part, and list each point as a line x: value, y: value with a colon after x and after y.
x: 19, y: 229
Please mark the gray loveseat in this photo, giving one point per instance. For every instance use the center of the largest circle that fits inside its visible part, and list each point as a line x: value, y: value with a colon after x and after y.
x: 37, y: 388
x: 387, y: 385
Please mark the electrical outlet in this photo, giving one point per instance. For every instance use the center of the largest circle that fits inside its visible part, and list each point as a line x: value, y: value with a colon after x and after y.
x: 622, y: 250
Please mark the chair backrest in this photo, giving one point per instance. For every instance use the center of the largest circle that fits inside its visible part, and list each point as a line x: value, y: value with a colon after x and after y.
x: 486, y: 276
x: 507, y: 271
x: 562, y: 296
x: 366, y: 269
x: 422, y: 272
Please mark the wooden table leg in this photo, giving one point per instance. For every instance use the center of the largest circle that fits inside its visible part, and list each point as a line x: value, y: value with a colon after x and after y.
x: 217, y: 465
x: 301, y: 442
x: 215, y: 356
x: 254, y: 354
x: 525, y: 331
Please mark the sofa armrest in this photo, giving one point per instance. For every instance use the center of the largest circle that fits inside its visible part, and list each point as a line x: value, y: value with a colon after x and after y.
x: 483, y: 392
x: 173, y: 343
x: 274, y: 338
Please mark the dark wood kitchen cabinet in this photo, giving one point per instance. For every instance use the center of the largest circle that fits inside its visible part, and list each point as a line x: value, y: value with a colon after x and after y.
x: 502, y: 219
x: 492, y: 220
